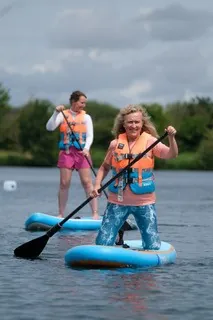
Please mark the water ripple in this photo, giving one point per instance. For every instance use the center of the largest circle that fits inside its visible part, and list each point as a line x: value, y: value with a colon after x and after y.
x: 45, y: 289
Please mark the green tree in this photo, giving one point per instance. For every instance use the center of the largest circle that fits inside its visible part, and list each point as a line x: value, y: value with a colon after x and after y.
x: 103, y: 116
x: 158, y: 116
x: 103, y: 134
x: 4, y: 109
x: 4, y: 101
x: 101, y: 111
x: 33, y: 135
x: 205, y: 151
x: 192, y: 130
x: 10, y: 131
x: 191, y: 119
x: 175, y: 113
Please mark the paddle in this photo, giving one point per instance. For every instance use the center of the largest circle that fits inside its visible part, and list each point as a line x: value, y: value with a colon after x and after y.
x: 80, y: 147
x: 33, y: 248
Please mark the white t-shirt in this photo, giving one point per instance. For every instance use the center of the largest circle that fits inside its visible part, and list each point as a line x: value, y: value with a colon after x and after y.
x: 57, y: 118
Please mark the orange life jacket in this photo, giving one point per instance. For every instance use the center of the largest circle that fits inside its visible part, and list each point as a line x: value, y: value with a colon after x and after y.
x: 78, y: 125
x: 140, y: 176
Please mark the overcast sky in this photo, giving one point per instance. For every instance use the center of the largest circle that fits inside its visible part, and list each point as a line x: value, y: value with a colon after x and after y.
x: 116, y: 51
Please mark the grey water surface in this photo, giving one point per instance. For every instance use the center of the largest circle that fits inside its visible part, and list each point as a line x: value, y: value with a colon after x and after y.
x: 46, y: 289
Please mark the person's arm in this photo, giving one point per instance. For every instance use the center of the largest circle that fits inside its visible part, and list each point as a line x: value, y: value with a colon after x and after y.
x: 102, y: 173
x: 104, y: 168
x: 173, y: 148
x: 55, y: 120
x: 90, y: 135
x: 167, y: 152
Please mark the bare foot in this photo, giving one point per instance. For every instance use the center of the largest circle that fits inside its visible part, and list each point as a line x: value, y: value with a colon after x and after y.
x: 95, y: 216
x: 59, y: 216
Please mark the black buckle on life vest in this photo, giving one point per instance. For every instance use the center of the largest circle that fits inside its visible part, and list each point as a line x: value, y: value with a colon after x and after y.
x: 132, y: 180
x: 128, y: 156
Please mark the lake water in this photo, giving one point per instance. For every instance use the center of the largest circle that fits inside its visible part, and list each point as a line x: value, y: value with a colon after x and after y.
x: 46, y: 289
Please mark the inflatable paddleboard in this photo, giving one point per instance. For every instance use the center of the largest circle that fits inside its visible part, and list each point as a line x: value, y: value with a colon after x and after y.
x: 94, y: 256
x: 41, y: 222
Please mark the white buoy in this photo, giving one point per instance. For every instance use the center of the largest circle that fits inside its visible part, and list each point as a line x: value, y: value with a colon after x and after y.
x: 10, y: 185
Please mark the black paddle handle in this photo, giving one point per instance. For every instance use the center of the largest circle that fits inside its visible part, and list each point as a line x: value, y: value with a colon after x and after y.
x: 58, y: 226
x: 77, y: 140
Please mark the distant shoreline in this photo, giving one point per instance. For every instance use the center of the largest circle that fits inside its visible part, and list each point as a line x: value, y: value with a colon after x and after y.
x: 185, y: 161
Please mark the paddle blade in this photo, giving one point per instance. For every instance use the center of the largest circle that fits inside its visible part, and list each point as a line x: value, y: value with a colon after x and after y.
x: 31, y: 249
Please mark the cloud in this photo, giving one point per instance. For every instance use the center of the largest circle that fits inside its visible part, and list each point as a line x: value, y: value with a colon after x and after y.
x: 117, y: 52
x: 176, y: 23
x: 136, y: 89
x: 85, y: 29
x: 165, y: 75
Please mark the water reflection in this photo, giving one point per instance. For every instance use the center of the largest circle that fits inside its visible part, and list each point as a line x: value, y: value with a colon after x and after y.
x: 133, y: 291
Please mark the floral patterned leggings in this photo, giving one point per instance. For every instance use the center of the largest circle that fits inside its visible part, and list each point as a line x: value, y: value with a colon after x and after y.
x: 114, y: 217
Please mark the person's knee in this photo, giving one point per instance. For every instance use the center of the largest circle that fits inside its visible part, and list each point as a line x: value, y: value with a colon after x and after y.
x: 87, y: 184
x: 64, y: 184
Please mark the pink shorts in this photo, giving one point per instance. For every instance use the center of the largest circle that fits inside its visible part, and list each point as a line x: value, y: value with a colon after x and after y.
x: 74, y: 160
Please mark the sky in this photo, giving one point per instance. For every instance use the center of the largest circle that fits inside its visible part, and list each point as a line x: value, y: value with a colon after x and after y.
x: 116, y: 51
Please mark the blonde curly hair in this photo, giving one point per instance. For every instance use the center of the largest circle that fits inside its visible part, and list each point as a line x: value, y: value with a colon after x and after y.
x: 148, y: 126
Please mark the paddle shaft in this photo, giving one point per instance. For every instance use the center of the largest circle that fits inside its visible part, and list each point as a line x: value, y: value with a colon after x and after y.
x: 58, y: 226
x: 77, y: 140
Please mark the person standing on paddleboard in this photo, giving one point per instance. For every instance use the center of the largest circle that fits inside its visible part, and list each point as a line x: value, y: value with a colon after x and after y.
x: 134, y: 191
x: 76, y: 137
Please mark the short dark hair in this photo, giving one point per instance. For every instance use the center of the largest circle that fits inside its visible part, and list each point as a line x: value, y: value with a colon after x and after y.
x: 74, y: 97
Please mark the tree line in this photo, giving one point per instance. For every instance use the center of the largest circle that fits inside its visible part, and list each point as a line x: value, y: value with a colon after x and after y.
x: 24, y: 139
